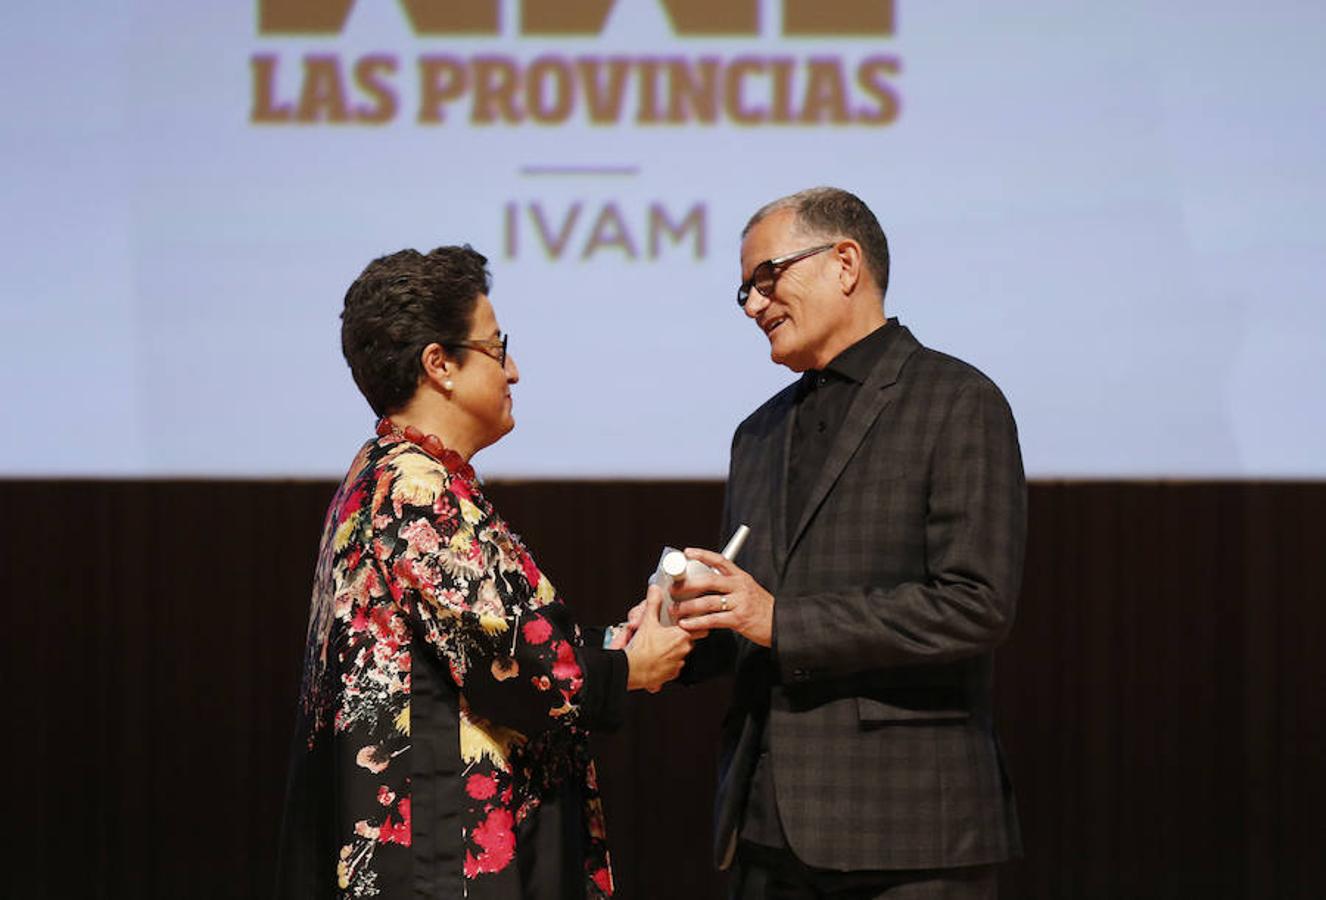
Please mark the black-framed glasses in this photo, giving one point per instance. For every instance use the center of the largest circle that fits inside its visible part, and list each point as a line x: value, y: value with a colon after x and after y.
x: 764, y: 276
x: 494, y: 347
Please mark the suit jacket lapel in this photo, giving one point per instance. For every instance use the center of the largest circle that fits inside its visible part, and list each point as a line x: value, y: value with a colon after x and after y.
x: 871, y: 399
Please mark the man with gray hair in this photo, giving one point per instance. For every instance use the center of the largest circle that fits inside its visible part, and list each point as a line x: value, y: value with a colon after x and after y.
x: 885, y: 493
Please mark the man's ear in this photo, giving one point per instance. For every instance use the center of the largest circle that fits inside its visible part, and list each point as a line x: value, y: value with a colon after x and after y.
x: 850, y: 261
x: 437, y: 364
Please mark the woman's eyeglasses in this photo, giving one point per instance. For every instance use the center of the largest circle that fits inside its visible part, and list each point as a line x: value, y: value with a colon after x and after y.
x: 494, y: 347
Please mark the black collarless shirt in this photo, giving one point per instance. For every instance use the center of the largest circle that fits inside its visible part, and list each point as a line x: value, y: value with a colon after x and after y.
x: 823, y: 398
x: 822, y: 401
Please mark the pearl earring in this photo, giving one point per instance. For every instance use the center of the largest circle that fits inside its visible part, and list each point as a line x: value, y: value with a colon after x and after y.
x: 448, y: 385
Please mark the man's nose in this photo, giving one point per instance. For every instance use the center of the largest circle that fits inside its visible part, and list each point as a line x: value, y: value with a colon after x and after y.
x: 755, y: 304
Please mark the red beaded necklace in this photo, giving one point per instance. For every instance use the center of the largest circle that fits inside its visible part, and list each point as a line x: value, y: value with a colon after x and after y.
x: 452, y: 461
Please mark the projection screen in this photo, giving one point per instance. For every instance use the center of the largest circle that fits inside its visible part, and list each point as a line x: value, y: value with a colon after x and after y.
x: 1114, y: 210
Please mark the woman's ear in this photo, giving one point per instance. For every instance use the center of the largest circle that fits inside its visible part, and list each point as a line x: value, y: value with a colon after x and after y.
x: 438, y: 366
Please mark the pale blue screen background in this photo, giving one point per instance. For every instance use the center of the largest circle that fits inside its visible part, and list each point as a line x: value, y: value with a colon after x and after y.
x: 1117, y: 211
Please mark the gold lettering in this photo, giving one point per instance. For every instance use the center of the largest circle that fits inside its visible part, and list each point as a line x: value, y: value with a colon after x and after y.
x: 783, y: 68
x: 692, y: 96
x: 585, y: 17
x: 605, y: 103
x: 495, y: 81
x: 564, y: 16
x: 426, y: 16
x: 733, y: 76
x: 543, y: 70
x: 441, y: 80
x: 686, y: 16
x: 453, y: 16
x: 609, y: 231
x: 367, y: 76
x: 840, y: 17
x: 872, y: 75
x: 648, y: 70
x: 302, y: 16
x: 825, y: 92
x: 710, y: 17
x: 265, y: 108
x: 323, y: 96
x: 659, y: 224
x: 743, y: 90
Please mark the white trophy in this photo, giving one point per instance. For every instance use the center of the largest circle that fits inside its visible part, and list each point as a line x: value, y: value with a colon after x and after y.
x: 674, y: 567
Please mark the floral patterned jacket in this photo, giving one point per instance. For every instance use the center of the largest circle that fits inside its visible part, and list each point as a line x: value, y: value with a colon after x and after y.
x: 444, y: 695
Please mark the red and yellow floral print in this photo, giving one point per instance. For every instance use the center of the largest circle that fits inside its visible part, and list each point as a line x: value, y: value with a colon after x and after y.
x: 414, y: 559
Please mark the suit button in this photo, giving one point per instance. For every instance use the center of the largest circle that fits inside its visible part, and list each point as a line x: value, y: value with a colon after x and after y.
x: 800, y: 675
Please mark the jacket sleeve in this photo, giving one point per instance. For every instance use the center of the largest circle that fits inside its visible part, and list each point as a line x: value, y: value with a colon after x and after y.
x: 522, y: 668
x: 975, y: 528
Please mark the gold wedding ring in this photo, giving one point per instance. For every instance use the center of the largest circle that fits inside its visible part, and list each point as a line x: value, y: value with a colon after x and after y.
x: 722, y: 605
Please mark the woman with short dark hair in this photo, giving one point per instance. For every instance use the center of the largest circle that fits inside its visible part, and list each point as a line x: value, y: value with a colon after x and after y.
x: 447, y: 694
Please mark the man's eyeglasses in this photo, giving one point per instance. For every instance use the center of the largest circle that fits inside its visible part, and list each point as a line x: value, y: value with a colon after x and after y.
x: 765, y: 275
x: 494, y: 347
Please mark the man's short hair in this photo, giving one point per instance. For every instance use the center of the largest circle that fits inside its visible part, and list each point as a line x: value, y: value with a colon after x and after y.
x: 399, y: 305
x: 830, y: 212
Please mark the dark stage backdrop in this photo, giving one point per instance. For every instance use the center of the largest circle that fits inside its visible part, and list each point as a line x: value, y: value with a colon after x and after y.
x: 1160, y: 698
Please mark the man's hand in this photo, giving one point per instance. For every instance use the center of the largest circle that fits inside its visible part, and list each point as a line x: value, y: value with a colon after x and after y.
x: 656, y: 652
x: 728, y: 598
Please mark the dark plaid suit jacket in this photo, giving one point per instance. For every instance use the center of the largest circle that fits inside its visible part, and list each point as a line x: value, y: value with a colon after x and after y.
x: 890, y: 596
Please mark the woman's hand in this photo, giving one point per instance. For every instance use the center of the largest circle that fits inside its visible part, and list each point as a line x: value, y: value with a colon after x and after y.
x: 656, y: 652
x: 621, y: 634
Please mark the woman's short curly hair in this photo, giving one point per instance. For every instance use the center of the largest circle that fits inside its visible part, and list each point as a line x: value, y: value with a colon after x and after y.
x: 399, y: 305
